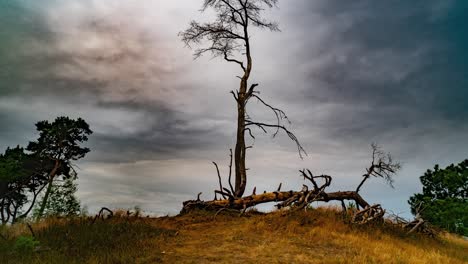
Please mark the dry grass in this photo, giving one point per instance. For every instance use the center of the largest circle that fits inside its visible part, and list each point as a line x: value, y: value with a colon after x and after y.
x: 317, y: 236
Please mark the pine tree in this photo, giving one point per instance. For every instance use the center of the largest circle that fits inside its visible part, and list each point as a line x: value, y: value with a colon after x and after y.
x: 444, y: 198
x: 62, y: 200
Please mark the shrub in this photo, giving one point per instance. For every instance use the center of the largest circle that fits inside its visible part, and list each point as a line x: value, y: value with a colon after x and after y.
x: 25, y: 244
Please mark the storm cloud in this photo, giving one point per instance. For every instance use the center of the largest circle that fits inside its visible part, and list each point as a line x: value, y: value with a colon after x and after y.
x: 347, y: 74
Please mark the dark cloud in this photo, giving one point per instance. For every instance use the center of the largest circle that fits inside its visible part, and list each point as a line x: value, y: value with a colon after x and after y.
x: 95, y: 61
x: 386, y: 65
x: 20, y: 25
x: 164, y: 139
x: 347, y: 73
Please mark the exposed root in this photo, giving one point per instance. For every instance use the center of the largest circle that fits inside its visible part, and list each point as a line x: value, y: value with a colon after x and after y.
x: 369, y: 214
x: 381, y: 166
x: 101, y: 214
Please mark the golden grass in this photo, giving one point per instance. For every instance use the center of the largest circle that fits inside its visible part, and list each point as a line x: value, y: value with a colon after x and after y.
x: 316, y: 236
x: 319, y: 236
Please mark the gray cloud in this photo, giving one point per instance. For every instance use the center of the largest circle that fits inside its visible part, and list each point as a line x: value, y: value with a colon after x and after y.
x: 381, y: 67
x: 346, y: 73
x: 388, y: 54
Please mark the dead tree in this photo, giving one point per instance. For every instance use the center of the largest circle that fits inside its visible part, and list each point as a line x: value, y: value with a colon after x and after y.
x: 382, y: 165
x: 229, y: 37
x: 101, y: 214
x: 369, y: 214
x: 314, y: 192
x: 418, y: 225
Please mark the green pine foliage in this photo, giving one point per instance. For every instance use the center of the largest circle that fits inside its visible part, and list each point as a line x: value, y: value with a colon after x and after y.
x: 25, y: 244
x: 59, y: 141
x: 444, y: 199
x: 21, y: 177
x: 62, y: 201
x: 44, y: 167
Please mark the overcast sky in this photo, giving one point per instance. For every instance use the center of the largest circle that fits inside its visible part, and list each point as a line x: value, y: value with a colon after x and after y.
x: 348, y: 73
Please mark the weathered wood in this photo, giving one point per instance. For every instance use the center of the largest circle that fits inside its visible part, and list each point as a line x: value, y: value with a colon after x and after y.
x: 101, y: 214
x: 299, y: 199
x: 369, y: 214
x: 252, y: 200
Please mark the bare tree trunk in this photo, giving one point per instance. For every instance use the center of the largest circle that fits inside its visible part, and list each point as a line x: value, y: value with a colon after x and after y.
x: 49, y: 188
x: 31, y: 206
x: 239, y: 153
x: 229, y: 37
x: 15, y: 212
x: 2, y: 214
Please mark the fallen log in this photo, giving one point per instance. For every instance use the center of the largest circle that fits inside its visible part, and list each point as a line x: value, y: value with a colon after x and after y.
x: 381, y: 166
x: 299, y: 199
x: 419, y: 224
x: 369, y: 214
x: 101, y: 214
x: 252, y: 200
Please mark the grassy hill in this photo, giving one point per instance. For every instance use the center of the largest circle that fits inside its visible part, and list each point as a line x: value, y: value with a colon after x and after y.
x: 315, y: 236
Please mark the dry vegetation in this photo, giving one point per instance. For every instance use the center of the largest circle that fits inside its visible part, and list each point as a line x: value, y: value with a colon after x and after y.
x: 315, y: 236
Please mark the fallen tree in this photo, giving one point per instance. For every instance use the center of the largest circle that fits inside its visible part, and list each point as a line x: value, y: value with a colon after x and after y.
x: 286, y: 198
x: 417, y: 225
x: 382, y: 165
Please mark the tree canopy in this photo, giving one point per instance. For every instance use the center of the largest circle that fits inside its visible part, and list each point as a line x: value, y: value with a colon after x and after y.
x: 62, y: 200
x: 25, y: 173
x: 60, y: 139
x: 59, y: 142
x: 444, y: 198
x: 21, y: 175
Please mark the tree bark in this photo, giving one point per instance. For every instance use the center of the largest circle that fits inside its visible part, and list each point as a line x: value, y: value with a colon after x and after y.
x: 252, y: 200
x: 49, y: 188
x: 2, y: 214
x: 239, y: 153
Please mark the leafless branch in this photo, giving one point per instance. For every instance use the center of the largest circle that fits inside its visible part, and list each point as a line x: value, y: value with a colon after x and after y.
x: 382, y: 166
x: 219, y: 178
x: 235, y: 96
x: 279, y: 187
x: 31, y: 230
x: 230, y: 171
x: 225, y: 194
x: 250, y: 133
x: 279, y: 114
x: 227, y: 34
x: 101, y: 214
x: 291, y: 135
x: 241, y: 64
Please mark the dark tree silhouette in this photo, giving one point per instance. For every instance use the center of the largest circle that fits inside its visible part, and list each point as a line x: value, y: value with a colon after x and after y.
x: 62, y: 200
x: 22, y: 178
x: 59, y: 142
x: 229, y: 37
x: 382, y: 166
